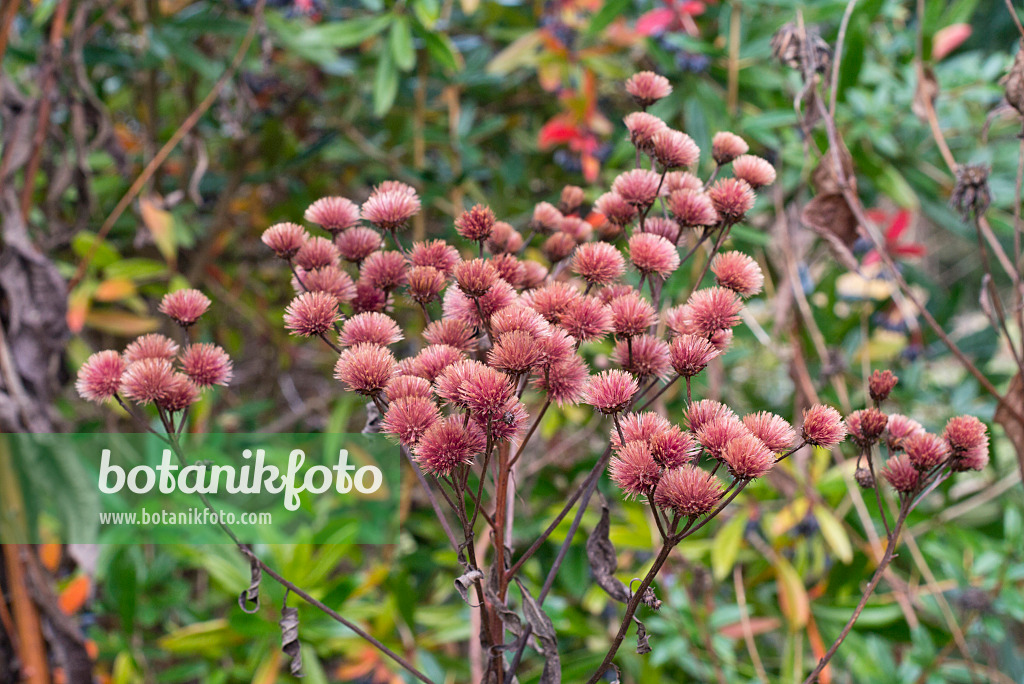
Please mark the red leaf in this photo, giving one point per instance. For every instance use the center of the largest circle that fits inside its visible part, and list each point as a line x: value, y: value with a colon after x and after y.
x: 655, y: 22
x: 948, y: 39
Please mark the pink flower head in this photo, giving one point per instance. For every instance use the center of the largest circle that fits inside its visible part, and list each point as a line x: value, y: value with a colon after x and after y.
x: 206, y: 364
x: 330, y: 279
x: 638, y: 427
x: 632, y: 315
x: 433, y: 359
x: 901, y: 474
x: 647, y: 87
x: 504, y: 238
x: 615, y: 209
x: 546, y: 218
x: 184, y: 306
x: 712, y: 309
x: 316, y: 252
x: 486, y: 392
x: 579, y: 229
x: 368, y: 298
x: 452, y: 332
x: 518, y: 317
x: 587, y: 319
x: 689, y: 354
x: 678, y: 320
x: 449, y: 443
x: 975, y: 459
x: 458, y: 305
x: 147, y: 380
x: 726, y: 146
x: 688, y: 491
x: 285, y: 239
x: 476, y: 277
x: 721, y: 340
x: 757, y: 172
x: 372, y: 327
x: 408, y: 386
x: 425, y: 283
x: 391, y: 209
x: 333, y: 214
x: 409, y: 418
x: 565, y: 381
x: 509, y: 268
x: 435, y: 253
x: 732, y: 198
x: 674, y: 149
x: 152, y: 346
x: 899, y: 429
x: 638, y: 187
x: 355, y: 244
x: 673, y: 447
x: 715, y: 435
x: 508, y: 423
x: 571, y: 198
x: 610, y: 391
x: 558, y: 246
x: 866, y: 426
x: 552, y: 301
x: 823, y: 426
x: 365, y: 368
x: 653, y: 254
x: 663, y: 227
x: 515, y: 353
x: 476, y: 224
x: 681, y: 180
x: 692, y: 208
x: 775, y: 431
x: 704, y: 412
x: 645, y: 356
x: 965, y: 433
x: 311, y: 313
x: 394, y: 186
x: 634, y: 469
x: 180, y: 393
x: 611, y: 292
x: 880, y: 384
x: 451, y: 382
x: 642, y: 129
x: 99, y: 378
x: 748, y: 457
x: 926, y: 450
x: 385, y: 270
x: 738, y: 272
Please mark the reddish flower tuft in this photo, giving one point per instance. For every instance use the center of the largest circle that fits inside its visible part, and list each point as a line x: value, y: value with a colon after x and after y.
x: 555, y: 345
x: 99, y: 378
x: 365, y: 368
x: 726, y: 146
x: 638, y: 187
x: 571, y: 198
x: 965, y: 434
x: 458, y: 305
x: 880, y: 384
x: 433, y: 359
x: 638, y: 427
x: 147, y: 380
x: 449, y: 443
x: 607, y: 294
x: 407, y: 386
x: 509, y: 268
x: 184, y: 306
x: 504, y: 238
x: 716, y: 434
x: 355, y: 244
x: 368, y: 298
x: 757, y: 172
x: 435, y: 253
x: 476, y: 277
x: 652, y: 254
x: 632, y: 315
x: 926, y: 450
x: 775, y: 431
x: 673, y: 447
x: 587, y: 319
x: 558, y: 246
x: 899, y: 429
x: 732, y: 198
x: 645, y: 356
x: 615, y: 209
x: 748, y: 457
x: 598, y: 263
x: 704, y: 412
x: 372, y: 327
x: 316, y: 252
x: 823, y: 426
x: 610, y: 391
x: 285, y: 239
x: 642, y: 129
x: 475, y: 224
x: 486, y: 392
x: 866, y: 426
x: 546, y: 218
x: 206, y: 364
x: 634, y: 469
x: 712, y: 309
x: 311, y: 313
x: 425, y: 283
x: 330, y: 279
x: 452, y: 332
x: 738, y: 272
x: 408, y: 418
x: 181, y: 392
x: 385, y: 270
x: 674, y: 149
x: 692, y: 208
x: 508, y: 423
x: 901, y: 474
x: 391, y: 209
x: 518, y: 317
x: 152, y: 346
x: 552, y: 301
x: 688, y: 491
x: 690, y: 354
x: 663, y: 227
x: 647, y: 87
x: 451, y: 382
x: 682, y: 180
x: 515, y: 353
x: 565, y: 381
x: 333, y: 214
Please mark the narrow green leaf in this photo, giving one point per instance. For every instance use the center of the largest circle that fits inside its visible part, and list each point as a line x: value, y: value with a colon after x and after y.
x: 442, y: 51
x: 727, y: 546
x: 607, y: 14
x: 834, y: 533
x: 400, y: 43
x: 427, y: 11
x: 385, y: 84
x: 344, y: 34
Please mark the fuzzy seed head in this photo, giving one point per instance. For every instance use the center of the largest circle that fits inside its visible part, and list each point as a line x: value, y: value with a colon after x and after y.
x: 333, y: 214
x: 712, y: 309
x: 615, y: 209
x: 99, y: 378
x: 899, y: 429
x: 181, y: 392
x: 647, y: 87
x: 632, y: 315
x: 476, y: 224
x: 355, y: 244
x: 451, y: 332
x: 316, y: 252
x: 732, y: 198
x: 638, y: 187
x: 738, y: 272
x: 688, y: 491
x: 881, y: 384
x: 645, y: 356
x: 152, y: 346
x: 748, y: 457
x: 653, y: 254
x: 926, y: 450
x: 425, y: 283
x: 408, y: 386
x: 546, y: 218
x: 692, y: 208
x: 715, y: 435
x: 726, y: 146
x: 147, y: 381
x: 184, y: 306
x: 285, y: 239
x: 634, y: 470
x: 642, y: 128
x: 376, y: 328
x: 689, y: 354
x: 757, y: 172
x: 565, y: 381
x: 449, y: 443
x: 674, y: 149
x: 311, y: 313
x: 901, y: 474
x: 330, y: 279
x: 587, y: 319
x: 365, y: 368
x: 823, y: 426
x: 774, y: 431
x: 409, y: 418
x: 391, y: 209
x: 610, y: 391
x: 599, y: 263
x: 436, y: 254
x: 206, y: 365
x: 475, y: 277
x: 385, y: 270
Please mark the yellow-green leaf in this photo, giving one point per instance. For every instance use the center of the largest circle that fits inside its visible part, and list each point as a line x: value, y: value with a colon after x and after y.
x: 160, y: 223
x: 727, y: 545
x: 121, y: 323
x: 793, y: 599
x: 834, y: 533
x: 114, y: 290
x: 202, y: 637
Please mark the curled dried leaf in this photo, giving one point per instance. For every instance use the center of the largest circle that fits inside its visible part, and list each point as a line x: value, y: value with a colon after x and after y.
x: 290, y: 638
x: 249, y: 600
x: 603, y: 561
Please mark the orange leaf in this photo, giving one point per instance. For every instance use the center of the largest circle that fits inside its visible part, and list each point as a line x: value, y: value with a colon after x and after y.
x: 78, y: 309
x: 49, y: 556
x: 818, y: 647
x: 758, y: 625
x: 114, y: 290
x: 948, y: 39
x: 160, y: 223
x: 793, y: 599
x: 121, y: 323
x: 74, y: 595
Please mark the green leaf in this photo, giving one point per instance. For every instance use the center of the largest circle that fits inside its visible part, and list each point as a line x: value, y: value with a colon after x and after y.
x: 520, y: 52
x: 727, y: 545
x: 443, y: 51
x: 400, y: 43
x: 344, y: 34
x: 385, y: 84
x: 427, y: 12
x: 834, y: 533
x: 611, y: 10
x: 103, y: 253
